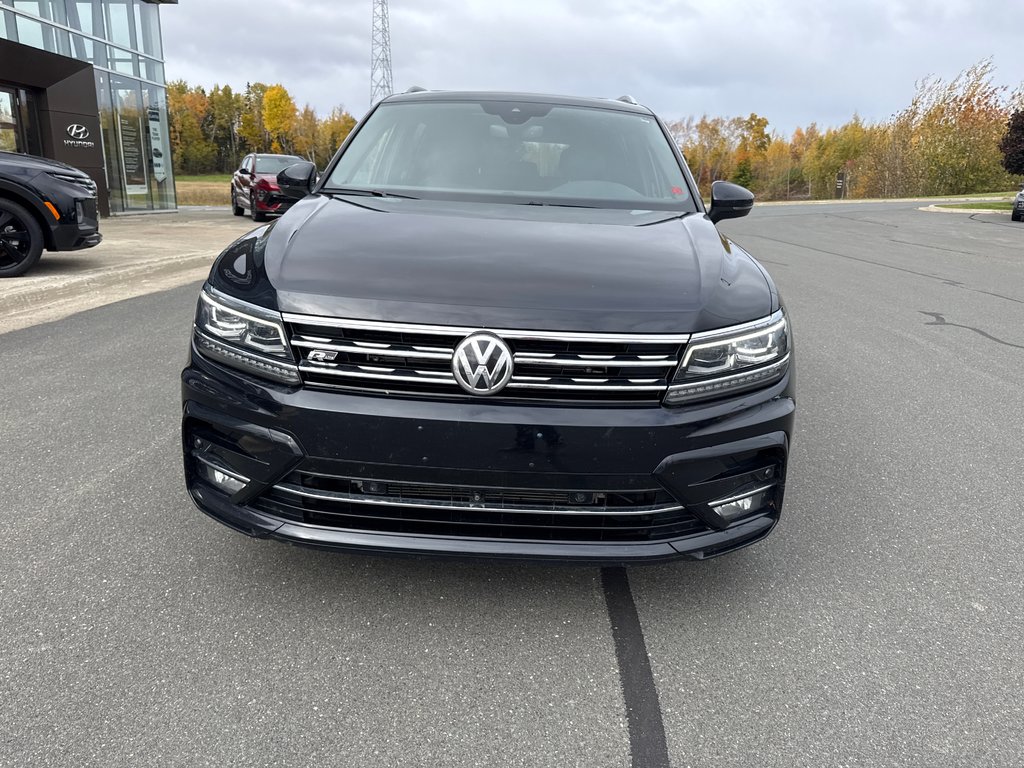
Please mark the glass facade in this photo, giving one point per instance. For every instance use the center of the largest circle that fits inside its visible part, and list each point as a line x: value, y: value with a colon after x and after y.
x: 122, y: 40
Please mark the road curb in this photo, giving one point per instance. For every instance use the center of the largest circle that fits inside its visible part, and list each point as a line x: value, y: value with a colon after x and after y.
x: 45, y: 302
x: 941, y: 209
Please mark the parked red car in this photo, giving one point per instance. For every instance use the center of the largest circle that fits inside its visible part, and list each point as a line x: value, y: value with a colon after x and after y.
x: 254, y: 186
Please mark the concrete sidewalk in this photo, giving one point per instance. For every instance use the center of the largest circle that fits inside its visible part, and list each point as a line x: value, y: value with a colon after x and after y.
x: 138, y: 255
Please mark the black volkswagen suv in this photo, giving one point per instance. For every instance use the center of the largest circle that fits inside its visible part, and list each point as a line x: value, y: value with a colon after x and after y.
x: 501, y: 325
x: 44, y: 205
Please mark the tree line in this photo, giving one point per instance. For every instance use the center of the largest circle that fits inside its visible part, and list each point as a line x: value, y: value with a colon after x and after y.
x: 210, y: 132
x: 951, y: 139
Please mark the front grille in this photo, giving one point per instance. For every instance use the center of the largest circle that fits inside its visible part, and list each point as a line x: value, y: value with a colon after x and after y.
x: 78, y: 179
x: 401, y: 359
x: 524, y: 514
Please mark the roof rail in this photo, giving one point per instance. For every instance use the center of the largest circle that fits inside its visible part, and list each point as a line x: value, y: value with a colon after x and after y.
x: 629, y: 100
x: 415, y: 89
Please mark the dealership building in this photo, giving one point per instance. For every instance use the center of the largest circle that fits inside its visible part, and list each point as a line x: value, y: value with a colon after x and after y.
x: 82, y: 81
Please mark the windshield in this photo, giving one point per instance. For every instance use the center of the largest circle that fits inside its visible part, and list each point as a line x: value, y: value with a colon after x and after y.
x: 275, y: 163
x: 520, y: 152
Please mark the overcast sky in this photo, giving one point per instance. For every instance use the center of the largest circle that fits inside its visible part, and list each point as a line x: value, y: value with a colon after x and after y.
x: 792, y: 61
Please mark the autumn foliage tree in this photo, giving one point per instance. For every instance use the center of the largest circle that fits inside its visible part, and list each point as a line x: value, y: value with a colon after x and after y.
x: 946, y: 141
x: 279, y: 115
x: 958, y: 132
x: 188, y: 112
x: 211, y: 131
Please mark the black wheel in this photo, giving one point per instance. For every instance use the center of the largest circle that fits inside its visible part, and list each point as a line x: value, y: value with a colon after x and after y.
x: 21, y: 239
x: 235, y: 207
x: 256, y: 215
x: 1014, y: 216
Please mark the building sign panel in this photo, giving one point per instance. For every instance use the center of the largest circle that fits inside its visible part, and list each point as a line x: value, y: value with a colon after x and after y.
x: 131, y: 143
x: 156, y: 142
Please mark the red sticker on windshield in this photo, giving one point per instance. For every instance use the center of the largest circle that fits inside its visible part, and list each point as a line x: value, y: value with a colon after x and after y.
x: 677, y: 190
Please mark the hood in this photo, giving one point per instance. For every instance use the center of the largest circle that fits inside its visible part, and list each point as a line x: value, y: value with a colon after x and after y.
x: 34, y: 164
x: 509, y: 266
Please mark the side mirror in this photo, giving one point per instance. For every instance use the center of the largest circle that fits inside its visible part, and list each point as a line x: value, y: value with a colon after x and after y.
x: 244, y: 171
x: 297, y: 181
x: 729, y: 201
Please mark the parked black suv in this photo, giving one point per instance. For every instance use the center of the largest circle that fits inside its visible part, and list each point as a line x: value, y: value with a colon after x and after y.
x: 43, y: 205
x: 502, y: 325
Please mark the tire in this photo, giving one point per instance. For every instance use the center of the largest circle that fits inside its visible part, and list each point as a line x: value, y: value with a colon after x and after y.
x: 236, y: 209
x: 1014, y: 216
x: 21, y: 239
x: 257, y: 216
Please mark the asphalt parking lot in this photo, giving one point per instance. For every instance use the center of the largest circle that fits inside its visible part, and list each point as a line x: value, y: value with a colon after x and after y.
x: 880, y: 624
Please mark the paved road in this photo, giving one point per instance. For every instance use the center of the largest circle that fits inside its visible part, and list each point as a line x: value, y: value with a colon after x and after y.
x: 879, y: 625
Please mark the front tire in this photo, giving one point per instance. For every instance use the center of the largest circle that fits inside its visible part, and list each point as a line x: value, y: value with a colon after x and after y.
x: 1015, y: 216
x: 21, y: 239
x: 236, y: 209
x: 257, y: 216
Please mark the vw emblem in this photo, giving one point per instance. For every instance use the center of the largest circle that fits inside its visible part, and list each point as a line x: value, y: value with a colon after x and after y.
x: 79, y: 132
x: 482, y: 364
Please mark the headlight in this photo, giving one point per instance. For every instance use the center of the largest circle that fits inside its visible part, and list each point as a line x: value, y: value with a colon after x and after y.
x: 243, y: 336
x: 724, y: 362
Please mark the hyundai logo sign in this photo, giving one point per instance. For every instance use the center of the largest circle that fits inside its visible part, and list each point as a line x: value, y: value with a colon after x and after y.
x: 79, y: 137
x: 78, y: 132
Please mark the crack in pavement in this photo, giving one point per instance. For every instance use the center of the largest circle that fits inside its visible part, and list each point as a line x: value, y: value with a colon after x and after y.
x: 933, y: 247
x: 939, y: 319
x: 647, y: 743
x: 865, y: 221
x: 995, y: 223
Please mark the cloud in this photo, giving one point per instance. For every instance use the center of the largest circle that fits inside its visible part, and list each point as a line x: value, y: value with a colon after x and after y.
x: 793, y: 61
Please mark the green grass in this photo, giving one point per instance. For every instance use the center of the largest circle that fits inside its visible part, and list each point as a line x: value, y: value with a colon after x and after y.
x: 990, y: 206
x: 988, y: 194
x: 213, y: 178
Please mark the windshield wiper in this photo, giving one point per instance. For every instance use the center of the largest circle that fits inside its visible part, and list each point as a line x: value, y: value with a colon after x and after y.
x: 557, y: 205
x: 367, y: 192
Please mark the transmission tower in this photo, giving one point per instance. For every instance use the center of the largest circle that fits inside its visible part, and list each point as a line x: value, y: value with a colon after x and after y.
x: 380, y: 53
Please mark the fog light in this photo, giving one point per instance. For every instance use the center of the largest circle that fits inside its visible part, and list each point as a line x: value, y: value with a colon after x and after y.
x: 745, y: 504
x: 229, y: 482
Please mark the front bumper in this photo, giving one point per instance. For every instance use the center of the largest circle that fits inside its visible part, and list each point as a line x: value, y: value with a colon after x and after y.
x: 79, y: 228
x: 298, y: 453
x: 272, y: 203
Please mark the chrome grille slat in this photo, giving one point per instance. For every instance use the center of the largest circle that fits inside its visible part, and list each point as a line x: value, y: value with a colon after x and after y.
x: 418, y: 503
x: 586, y: 387
x: 604, y: 361
x: 461, y: 330
x: 362, y: 372
x: 382, y: 350
x: 633, y: 513
x: 408, y: 359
